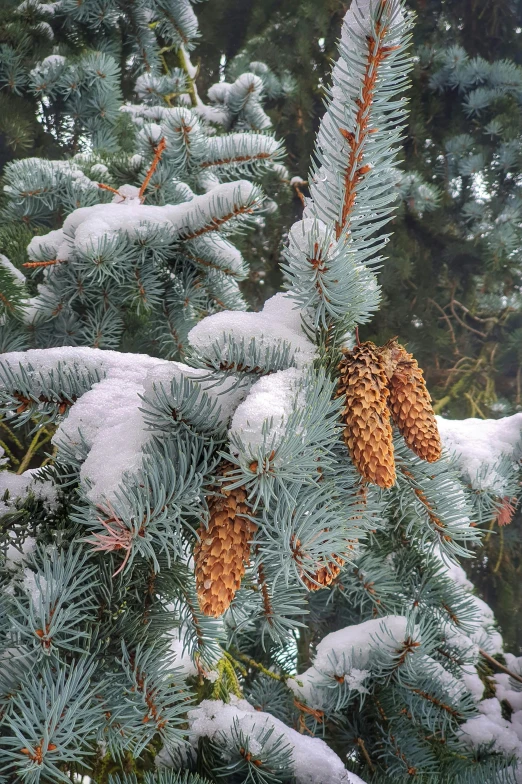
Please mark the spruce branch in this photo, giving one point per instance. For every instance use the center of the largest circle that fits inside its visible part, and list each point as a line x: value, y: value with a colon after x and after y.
x: 357, y: 137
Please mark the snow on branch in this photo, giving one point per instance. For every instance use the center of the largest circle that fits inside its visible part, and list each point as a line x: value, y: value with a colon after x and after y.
x: 310, y: 760
x: 479, y: 445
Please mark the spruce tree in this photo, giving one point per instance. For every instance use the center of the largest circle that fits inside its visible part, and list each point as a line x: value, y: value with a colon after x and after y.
x: 117, y: 278
x: 450, y: 286
x: 456, y: 236
x: 234, y: 569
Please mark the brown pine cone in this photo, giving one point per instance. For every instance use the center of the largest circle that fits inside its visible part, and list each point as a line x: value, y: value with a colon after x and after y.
x: 223, y: 549
x: 324, y: 576
x: 410, y: 403
x: 367, y: 433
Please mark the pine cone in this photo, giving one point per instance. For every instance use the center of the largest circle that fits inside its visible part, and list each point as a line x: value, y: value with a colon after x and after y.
x: 223, y: 549
x: 325, y: 575
x: 367, y: 432
x: 410, y: 403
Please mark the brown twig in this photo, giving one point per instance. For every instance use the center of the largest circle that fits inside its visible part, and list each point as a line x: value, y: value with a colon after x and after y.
x: 35, y: 264
x: 158, y: 152
x: 299, y: 192
x: 111, y: 190
x: 448, y: 322
x: 463, y: 323
x: 499, y: 666
x: 470, y: 314
x: 366, y: 756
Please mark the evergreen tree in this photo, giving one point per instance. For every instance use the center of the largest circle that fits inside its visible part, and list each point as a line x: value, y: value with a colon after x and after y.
x: 456, y: 237
x: 450, y: 286
x: 119, y: 277
x: 238, y: 552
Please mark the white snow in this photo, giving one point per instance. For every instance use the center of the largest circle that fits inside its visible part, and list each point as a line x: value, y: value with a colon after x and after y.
x: 347, y: 653
x: 213, y: 114
x: 485, y: 635
x: 107, y: 418
x: 35, y: 586
x: 313, y: 762
x: 218, y: 92
x: 107, y: 415
x: 99, y: 170
x: 478, y: 445
x: 44, y: 8
x: 15, y: 272
x: 491, y: 728
x: 278, y: 321
x: 44, y: 248
x: 15, y: 556
x: 504, y: 686
x: 183, y: 660
x: 260, y: 421
x: 127, y: 194
x: 473, y: 682
x: 454, y: 570
x: 88, y: 228
x: 50, y: 62
x: 19, y: 485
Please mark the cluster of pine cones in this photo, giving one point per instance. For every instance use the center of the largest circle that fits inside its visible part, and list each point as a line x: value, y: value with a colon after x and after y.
x: 378, y: 383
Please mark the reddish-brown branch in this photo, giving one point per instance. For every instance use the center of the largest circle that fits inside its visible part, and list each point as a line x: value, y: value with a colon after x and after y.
x: 111, y: 190
x: 437, y: 522
x: 299, y: 193
x: 463, y: 323
x: 407, y: 647
x: 6, y: 302
x: 205, y: 263
x: 25, y: 402
x: 149, y: 696
x: 158, y: 152
x: 354, y: 170
x: 215, y: 223
x: 238, y: 159
x: 267, y: 604
x: 438, y: 703
x: 35, y: 264
x: 366, y: 756
x: 318, y: 715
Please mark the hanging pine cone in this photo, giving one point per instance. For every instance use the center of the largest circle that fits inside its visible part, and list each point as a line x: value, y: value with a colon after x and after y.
x: 223, y: 549
x: 410, y: 402
x: 324, y: 576
x: 367, y: 433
